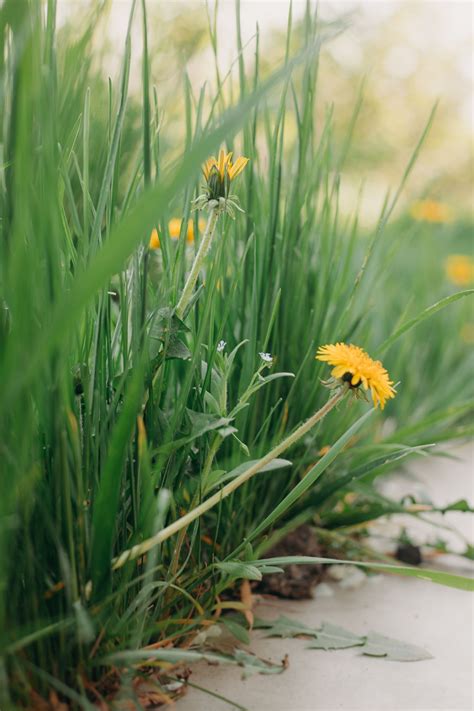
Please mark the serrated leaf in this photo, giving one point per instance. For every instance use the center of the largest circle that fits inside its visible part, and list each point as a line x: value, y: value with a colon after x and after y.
x: 393, y: 649
x: 331, y: 636
x: 237, y: 569
x: 250, y: 663
x: 253, y: 665
x: 284, y: 627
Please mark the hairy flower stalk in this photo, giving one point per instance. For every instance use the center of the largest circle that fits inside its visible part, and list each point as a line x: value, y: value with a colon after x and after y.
x: 142, y: 548
x: 219, y: 173
x: 204, y: 247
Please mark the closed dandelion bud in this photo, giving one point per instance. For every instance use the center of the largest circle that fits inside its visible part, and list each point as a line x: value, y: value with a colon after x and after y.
x: 214, y: 185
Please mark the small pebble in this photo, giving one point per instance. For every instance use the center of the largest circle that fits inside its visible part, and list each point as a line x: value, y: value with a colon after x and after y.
x: 353, y: 580
x: 338, y: 572
x: 323, y: 590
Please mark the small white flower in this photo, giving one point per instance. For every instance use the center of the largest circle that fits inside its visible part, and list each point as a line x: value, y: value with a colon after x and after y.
x: 220, y: 346
x: 266, y: 357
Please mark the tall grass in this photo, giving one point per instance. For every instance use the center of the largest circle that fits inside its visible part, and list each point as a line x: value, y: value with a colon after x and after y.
x: 116, y: 417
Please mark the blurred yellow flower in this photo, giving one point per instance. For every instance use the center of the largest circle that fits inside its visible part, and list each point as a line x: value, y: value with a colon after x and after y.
x: 355, y: 367
x: 460, y: 269
x: 154, y: 239
x: 467, y: 333
x: 174, y: 228
x: 430, y: 211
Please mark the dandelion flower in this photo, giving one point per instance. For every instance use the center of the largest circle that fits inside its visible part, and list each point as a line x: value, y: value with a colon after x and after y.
x: 460, y: 269
x: 174, y: 228
x: 430, y: 211
x: 354, y: 366
x: 154, y: 239
x: 219, y: 173
x: 266, y: 357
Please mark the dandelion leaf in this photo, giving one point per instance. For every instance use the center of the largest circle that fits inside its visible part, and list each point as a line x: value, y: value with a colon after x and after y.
x: 333, y: 637
x: 393, y: 649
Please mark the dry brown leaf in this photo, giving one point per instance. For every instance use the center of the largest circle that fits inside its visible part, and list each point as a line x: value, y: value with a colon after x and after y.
x: 55, y: 704
x: 248, y: 601
x: 150, y: 694
x: 37, y: 702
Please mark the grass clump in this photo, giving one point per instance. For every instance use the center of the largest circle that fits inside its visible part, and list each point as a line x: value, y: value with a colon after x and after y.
x: 129, y: 399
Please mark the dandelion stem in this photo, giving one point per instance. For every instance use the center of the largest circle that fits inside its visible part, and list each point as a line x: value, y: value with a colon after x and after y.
x: 195, y: 513
x: 198, y: 261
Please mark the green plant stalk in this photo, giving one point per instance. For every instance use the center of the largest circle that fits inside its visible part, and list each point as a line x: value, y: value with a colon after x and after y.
x: 191, y: 516
x: 198, y: 262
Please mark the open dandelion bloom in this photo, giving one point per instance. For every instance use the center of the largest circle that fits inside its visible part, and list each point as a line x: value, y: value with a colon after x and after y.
x: 460, y: 269
x: 430, y: 211
x: 354, y: 366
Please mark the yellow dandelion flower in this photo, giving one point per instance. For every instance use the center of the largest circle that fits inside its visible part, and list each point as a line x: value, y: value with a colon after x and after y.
x: 190, y: 232
x: 460, y: 269
x: 430, y: 211
x: 174, y: 227
x: 220, y: 172
x: 354, y: 366
x: 154, y: 239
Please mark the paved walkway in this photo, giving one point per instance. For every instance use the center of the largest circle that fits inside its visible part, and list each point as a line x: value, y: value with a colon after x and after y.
x: 431, y: 616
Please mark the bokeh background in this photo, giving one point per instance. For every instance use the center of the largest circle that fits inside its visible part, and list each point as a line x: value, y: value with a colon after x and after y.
x: 408, y: 55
